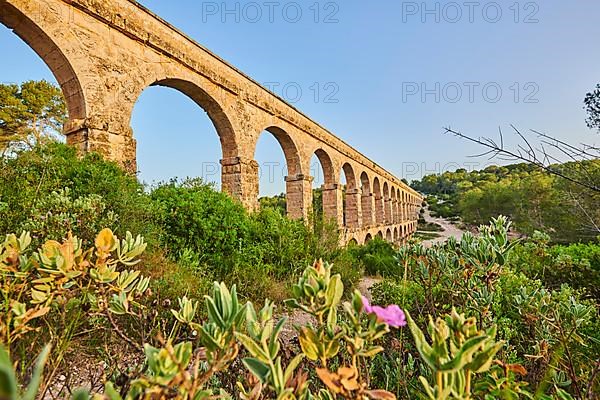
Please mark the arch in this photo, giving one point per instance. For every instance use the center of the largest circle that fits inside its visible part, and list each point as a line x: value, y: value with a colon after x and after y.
x: 213, y: 109
x: 388, y: 235
x: 327, y: 165
x: 352, y: 242
x: 351, y: 198
x: 366, y: 200
x: 290, y: 150
x: 394, y: 206
x: 379, y: 202
x: 387, y: 204
x: 380, y: 235
x: 54, y: 57
x: 350, y: 177
x: 365, y: 183
x: 368, y: 238
x: 376, y: 187
x: 164, y: 150
x: 386, y: 190
x: 298, y: 192
x: 331, y: 202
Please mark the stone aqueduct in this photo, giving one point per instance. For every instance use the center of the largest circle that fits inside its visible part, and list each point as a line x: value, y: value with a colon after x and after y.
x: 105, y: 53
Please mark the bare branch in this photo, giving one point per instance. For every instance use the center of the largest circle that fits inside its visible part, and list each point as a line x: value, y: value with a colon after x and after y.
x: 527, y: 154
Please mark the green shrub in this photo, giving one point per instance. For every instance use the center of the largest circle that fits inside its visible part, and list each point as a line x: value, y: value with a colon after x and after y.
x: 378, y: 257
x: 30, y: 188
x: 59, y: 213
x: 195, y: 217
x: 350, y: 269
x: 577, y: 265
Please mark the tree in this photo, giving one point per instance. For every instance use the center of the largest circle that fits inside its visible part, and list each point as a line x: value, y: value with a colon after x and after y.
x: 30, y: 113
x: 592, y: 107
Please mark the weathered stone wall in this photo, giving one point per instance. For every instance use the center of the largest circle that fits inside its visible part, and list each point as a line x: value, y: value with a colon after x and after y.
x: 104, y: 54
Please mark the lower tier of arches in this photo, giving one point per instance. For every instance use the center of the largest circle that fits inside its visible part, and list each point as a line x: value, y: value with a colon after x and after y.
x: 393, y: 233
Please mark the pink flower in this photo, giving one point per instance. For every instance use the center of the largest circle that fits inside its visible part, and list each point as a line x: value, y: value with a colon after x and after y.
x: 391, y: 315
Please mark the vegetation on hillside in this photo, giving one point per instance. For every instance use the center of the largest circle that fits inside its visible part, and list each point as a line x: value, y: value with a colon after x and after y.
x: 533, y: 199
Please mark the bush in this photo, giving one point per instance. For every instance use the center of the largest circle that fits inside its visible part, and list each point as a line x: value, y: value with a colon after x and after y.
x: 194, y: 217
x: 378, y: 257
x: 577, y: 265
x: 52, y: 190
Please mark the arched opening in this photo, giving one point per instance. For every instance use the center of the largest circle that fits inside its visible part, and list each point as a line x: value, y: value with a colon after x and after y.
x: 393, y: 206
x: 399, y: 206
x: 353, y: 242
x: 379, y: 205
x: 187, y: 148
x: 327, y: 194
x: 403, y: 207
x: 343, y: 185
x: 351, y: 197
x: 368, y: 238
x: 380, y: 235
x: 366, y: 200
x: 396, y: 237
x: 280, y: 183
x: 50, y: 53
x: 212, y: 108
x: 387, y: 205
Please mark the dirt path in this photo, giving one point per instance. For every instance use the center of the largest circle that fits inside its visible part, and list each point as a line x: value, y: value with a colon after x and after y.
x: 450, y: 230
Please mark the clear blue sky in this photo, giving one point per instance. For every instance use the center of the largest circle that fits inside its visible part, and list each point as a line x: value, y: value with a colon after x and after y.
x: 374, y: 59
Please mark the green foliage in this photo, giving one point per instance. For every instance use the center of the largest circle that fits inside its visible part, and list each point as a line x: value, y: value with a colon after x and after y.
x: 202, y: 220
x: 29, y: 114
x: 58, y: 213
x: 378, y: 257
x: 9, y: 386
x: 458, y: 351
x: 51, y: 191
x: 592, y: 108
x: 278, y: 203
x: 225, y: 242
x: 545, y: 336
x: 61, y: 291
x: 577, y: 265
x: 533, y: 199
x: 176, y: 370
x: 550, y: 334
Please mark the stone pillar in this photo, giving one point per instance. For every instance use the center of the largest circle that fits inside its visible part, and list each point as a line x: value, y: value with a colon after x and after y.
x: 114, y: 146
x: 379, y: 209
x: 299, y: 196
x: 353, y: 208
x: 333, y: 204
x: 239, y: 179
x: 387, y: 203
x: 367, y: 202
